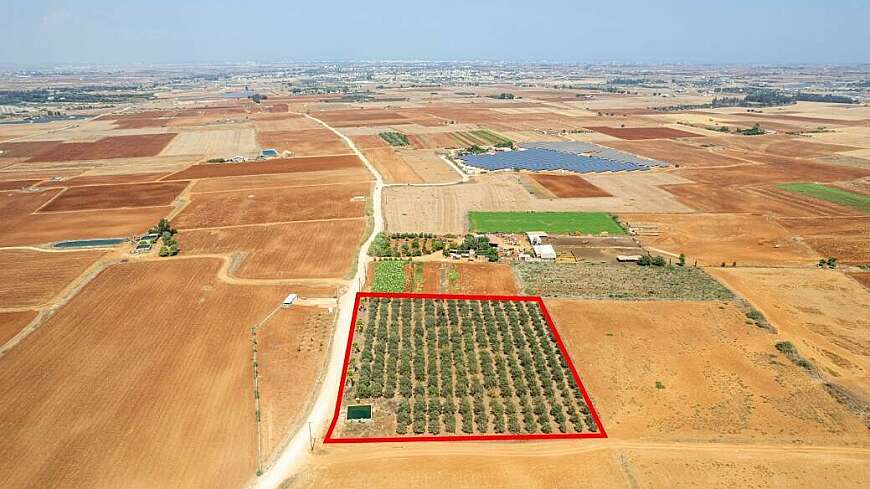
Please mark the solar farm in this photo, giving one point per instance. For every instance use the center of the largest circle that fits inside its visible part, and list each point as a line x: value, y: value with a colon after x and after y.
x: 573, y: 156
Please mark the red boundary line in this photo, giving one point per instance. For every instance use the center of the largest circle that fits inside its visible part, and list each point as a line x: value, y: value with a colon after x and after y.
x: 527, y: 436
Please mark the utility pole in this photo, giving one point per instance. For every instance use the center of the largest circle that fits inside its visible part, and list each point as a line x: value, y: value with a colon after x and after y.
x: 310, y: 436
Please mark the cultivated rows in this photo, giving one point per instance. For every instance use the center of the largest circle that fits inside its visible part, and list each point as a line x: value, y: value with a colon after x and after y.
x: 469, y: 366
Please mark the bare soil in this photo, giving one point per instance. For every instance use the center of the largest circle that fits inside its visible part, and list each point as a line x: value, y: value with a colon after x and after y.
x: 116, y: 196
x: 568, y: 185
x: 32, y: 278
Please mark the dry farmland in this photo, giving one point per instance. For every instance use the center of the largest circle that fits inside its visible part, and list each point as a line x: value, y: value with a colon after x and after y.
x: 292, y: 348
x: 823, y: 312
x: 713, y: 239
x: 632, y: 133
x: 563, y: 186
x: 290, y: 165
x: 115, y: 196
x: 284, y: 251
x: 13, y: 322
x: 106, y: 148
x: 310, y: 142
x: 32, y: 278
x: 262, y: 206
x: 179, y: 413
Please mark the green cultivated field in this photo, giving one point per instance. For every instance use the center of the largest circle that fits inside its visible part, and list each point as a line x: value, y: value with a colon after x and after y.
x: 550, y: 222
x: 830, y: 194
x: 389, y: 276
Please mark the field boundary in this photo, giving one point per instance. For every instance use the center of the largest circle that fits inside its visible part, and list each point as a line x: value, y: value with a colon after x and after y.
x: 601, y: 433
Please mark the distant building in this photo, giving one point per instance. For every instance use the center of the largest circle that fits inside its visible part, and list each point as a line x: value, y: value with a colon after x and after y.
x: 627, y: 258
x: 536, y: 237
x: 289, y: 300
x: 545, y: 252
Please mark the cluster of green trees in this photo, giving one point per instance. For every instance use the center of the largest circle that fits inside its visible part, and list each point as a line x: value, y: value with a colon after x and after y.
x: 469, y: 366
x: 480, y: 245
x: 765, y: 97
x: 405, y: 245
x: 166, y: 233
x: 656, y: 261
x: 829, y: 262
x: 755, y: 130
x: 504, y: 96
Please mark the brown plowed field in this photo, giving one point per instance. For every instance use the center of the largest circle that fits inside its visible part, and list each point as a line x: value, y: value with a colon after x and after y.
x: 753, y: 174
x: 863, y: 278
x: 313, y: 142
x: 719, y: 380
x: 291, y: 351
x: 17, y: 205
x: 716, y: 238
x: 122, y: 386
x: 391, y: 166
x: 259, y: 206
x: 568, y: 185
x: 762, y: 200
x: 633, y: 133
x: 675, y: 153
x: 778, y: 144
x: 108, y: 223
x: 104, y: 180
x: 846, y: 238
x: 116, y: 196
x: 106, y: 148
x: 369, y: 141
x: 362, y: 117
x: 26, y: 149
x: 32, y: 278
x: 17, y: 184
x: 284, y: 251
x: 290, y: 165
x: 302, y: 179
x: 825, y: 314
x: 11, y: 323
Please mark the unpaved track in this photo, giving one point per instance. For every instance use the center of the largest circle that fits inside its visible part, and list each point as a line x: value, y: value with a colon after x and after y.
x: 296, y: 452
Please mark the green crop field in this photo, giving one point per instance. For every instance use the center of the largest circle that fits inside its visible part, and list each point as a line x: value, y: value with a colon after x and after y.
x: 389, y: 276
x: 830, y: 194
x: 550, y: 222
x: 395, y: 138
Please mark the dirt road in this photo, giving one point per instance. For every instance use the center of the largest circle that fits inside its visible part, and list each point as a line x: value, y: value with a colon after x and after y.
x: 296, y: 453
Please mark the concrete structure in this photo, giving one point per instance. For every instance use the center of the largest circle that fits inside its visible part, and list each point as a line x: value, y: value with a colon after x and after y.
x: 289, y: 300
x: 627, y: 258
x: 536, y: 237
x: 545, y: 252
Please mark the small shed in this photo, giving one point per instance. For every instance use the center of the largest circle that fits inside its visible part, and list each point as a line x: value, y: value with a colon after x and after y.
x: 289, y: 300
x: 627, y: 258
x: 545, y: 252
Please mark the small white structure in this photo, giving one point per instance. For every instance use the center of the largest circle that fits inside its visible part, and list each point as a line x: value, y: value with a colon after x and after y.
x: 536, y: 237
x: 627, y: 258
x: 545, y: 252
x: 289, y: 300
x: 238, y: 159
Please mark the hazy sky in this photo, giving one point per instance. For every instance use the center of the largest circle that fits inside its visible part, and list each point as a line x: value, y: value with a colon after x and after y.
x: 624, y: 31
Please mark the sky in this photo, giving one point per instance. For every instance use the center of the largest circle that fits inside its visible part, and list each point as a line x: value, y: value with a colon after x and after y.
x: 40, y: 32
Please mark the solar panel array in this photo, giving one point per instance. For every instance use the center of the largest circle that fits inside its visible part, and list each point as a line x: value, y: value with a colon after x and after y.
x: 538, y: 159
x: 594, y: 150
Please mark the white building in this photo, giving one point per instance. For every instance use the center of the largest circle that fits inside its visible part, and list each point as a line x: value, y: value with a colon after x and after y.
x: 289, y: 300
x: 536, y: 237
x: 545, y: 252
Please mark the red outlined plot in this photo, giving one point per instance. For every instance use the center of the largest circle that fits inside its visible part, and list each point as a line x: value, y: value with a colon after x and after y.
x: 601, y: 433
